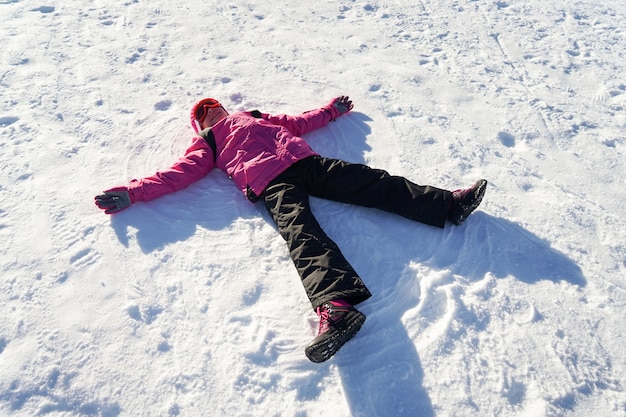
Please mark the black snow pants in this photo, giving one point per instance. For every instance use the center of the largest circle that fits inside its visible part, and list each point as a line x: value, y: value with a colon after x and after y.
x: 326, y: 274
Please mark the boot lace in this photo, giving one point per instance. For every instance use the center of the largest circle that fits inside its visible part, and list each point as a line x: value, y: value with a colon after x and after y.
x: 324, y: 312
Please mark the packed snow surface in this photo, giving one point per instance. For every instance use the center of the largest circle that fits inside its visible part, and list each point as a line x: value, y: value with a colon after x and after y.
x: 190, y: 306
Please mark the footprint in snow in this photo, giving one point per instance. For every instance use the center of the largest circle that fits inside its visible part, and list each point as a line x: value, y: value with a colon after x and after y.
x: 507, y: 139
x: 44, y: 9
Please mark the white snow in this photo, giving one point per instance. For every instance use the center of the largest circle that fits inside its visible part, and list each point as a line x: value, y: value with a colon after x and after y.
x: 190, y: 306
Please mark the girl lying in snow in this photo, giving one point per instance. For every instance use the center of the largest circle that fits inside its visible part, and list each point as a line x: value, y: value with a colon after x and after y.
x: 268, y: 160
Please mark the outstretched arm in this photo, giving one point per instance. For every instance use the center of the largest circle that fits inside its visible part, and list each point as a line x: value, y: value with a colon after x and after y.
x: 313, y: 119
x: 196, y: 163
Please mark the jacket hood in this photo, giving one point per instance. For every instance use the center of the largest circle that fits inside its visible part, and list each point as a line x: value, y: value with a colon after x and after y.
x: 194, y: 123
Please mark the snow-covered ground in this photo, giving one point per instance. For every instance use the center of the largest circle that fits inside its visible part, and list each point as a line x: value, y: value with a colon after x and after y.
x: 190, y: 306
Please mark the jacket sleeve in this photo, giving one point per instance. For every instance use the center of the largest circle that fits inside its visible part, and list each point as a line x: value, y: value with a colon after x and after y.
x: 196, y: 163
x: 305, y: 122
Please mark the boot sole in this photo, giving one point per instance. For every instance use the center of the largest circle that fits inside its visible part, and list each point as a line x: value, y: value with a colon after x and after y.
x: 324, y: 349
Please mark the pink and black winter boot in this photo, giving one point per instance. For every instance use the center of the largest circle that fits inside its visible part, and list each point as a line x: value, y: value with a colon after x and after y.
x: 466, y: 201
x: 339, y: 322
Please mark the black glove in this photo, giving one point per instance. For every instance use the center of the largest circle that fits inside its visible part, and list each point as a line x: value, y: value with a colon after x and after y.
x: 114, y: 200
x: 343, y: 104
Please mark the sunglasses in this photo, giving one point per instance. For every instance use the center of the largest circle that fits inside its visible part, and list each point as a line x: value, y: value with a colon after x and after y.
x: 203, y: 107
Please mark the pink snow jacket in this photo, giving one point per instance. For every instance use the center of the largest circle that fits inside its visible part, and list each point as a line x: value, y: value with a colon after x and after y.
x: 252, y: 148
